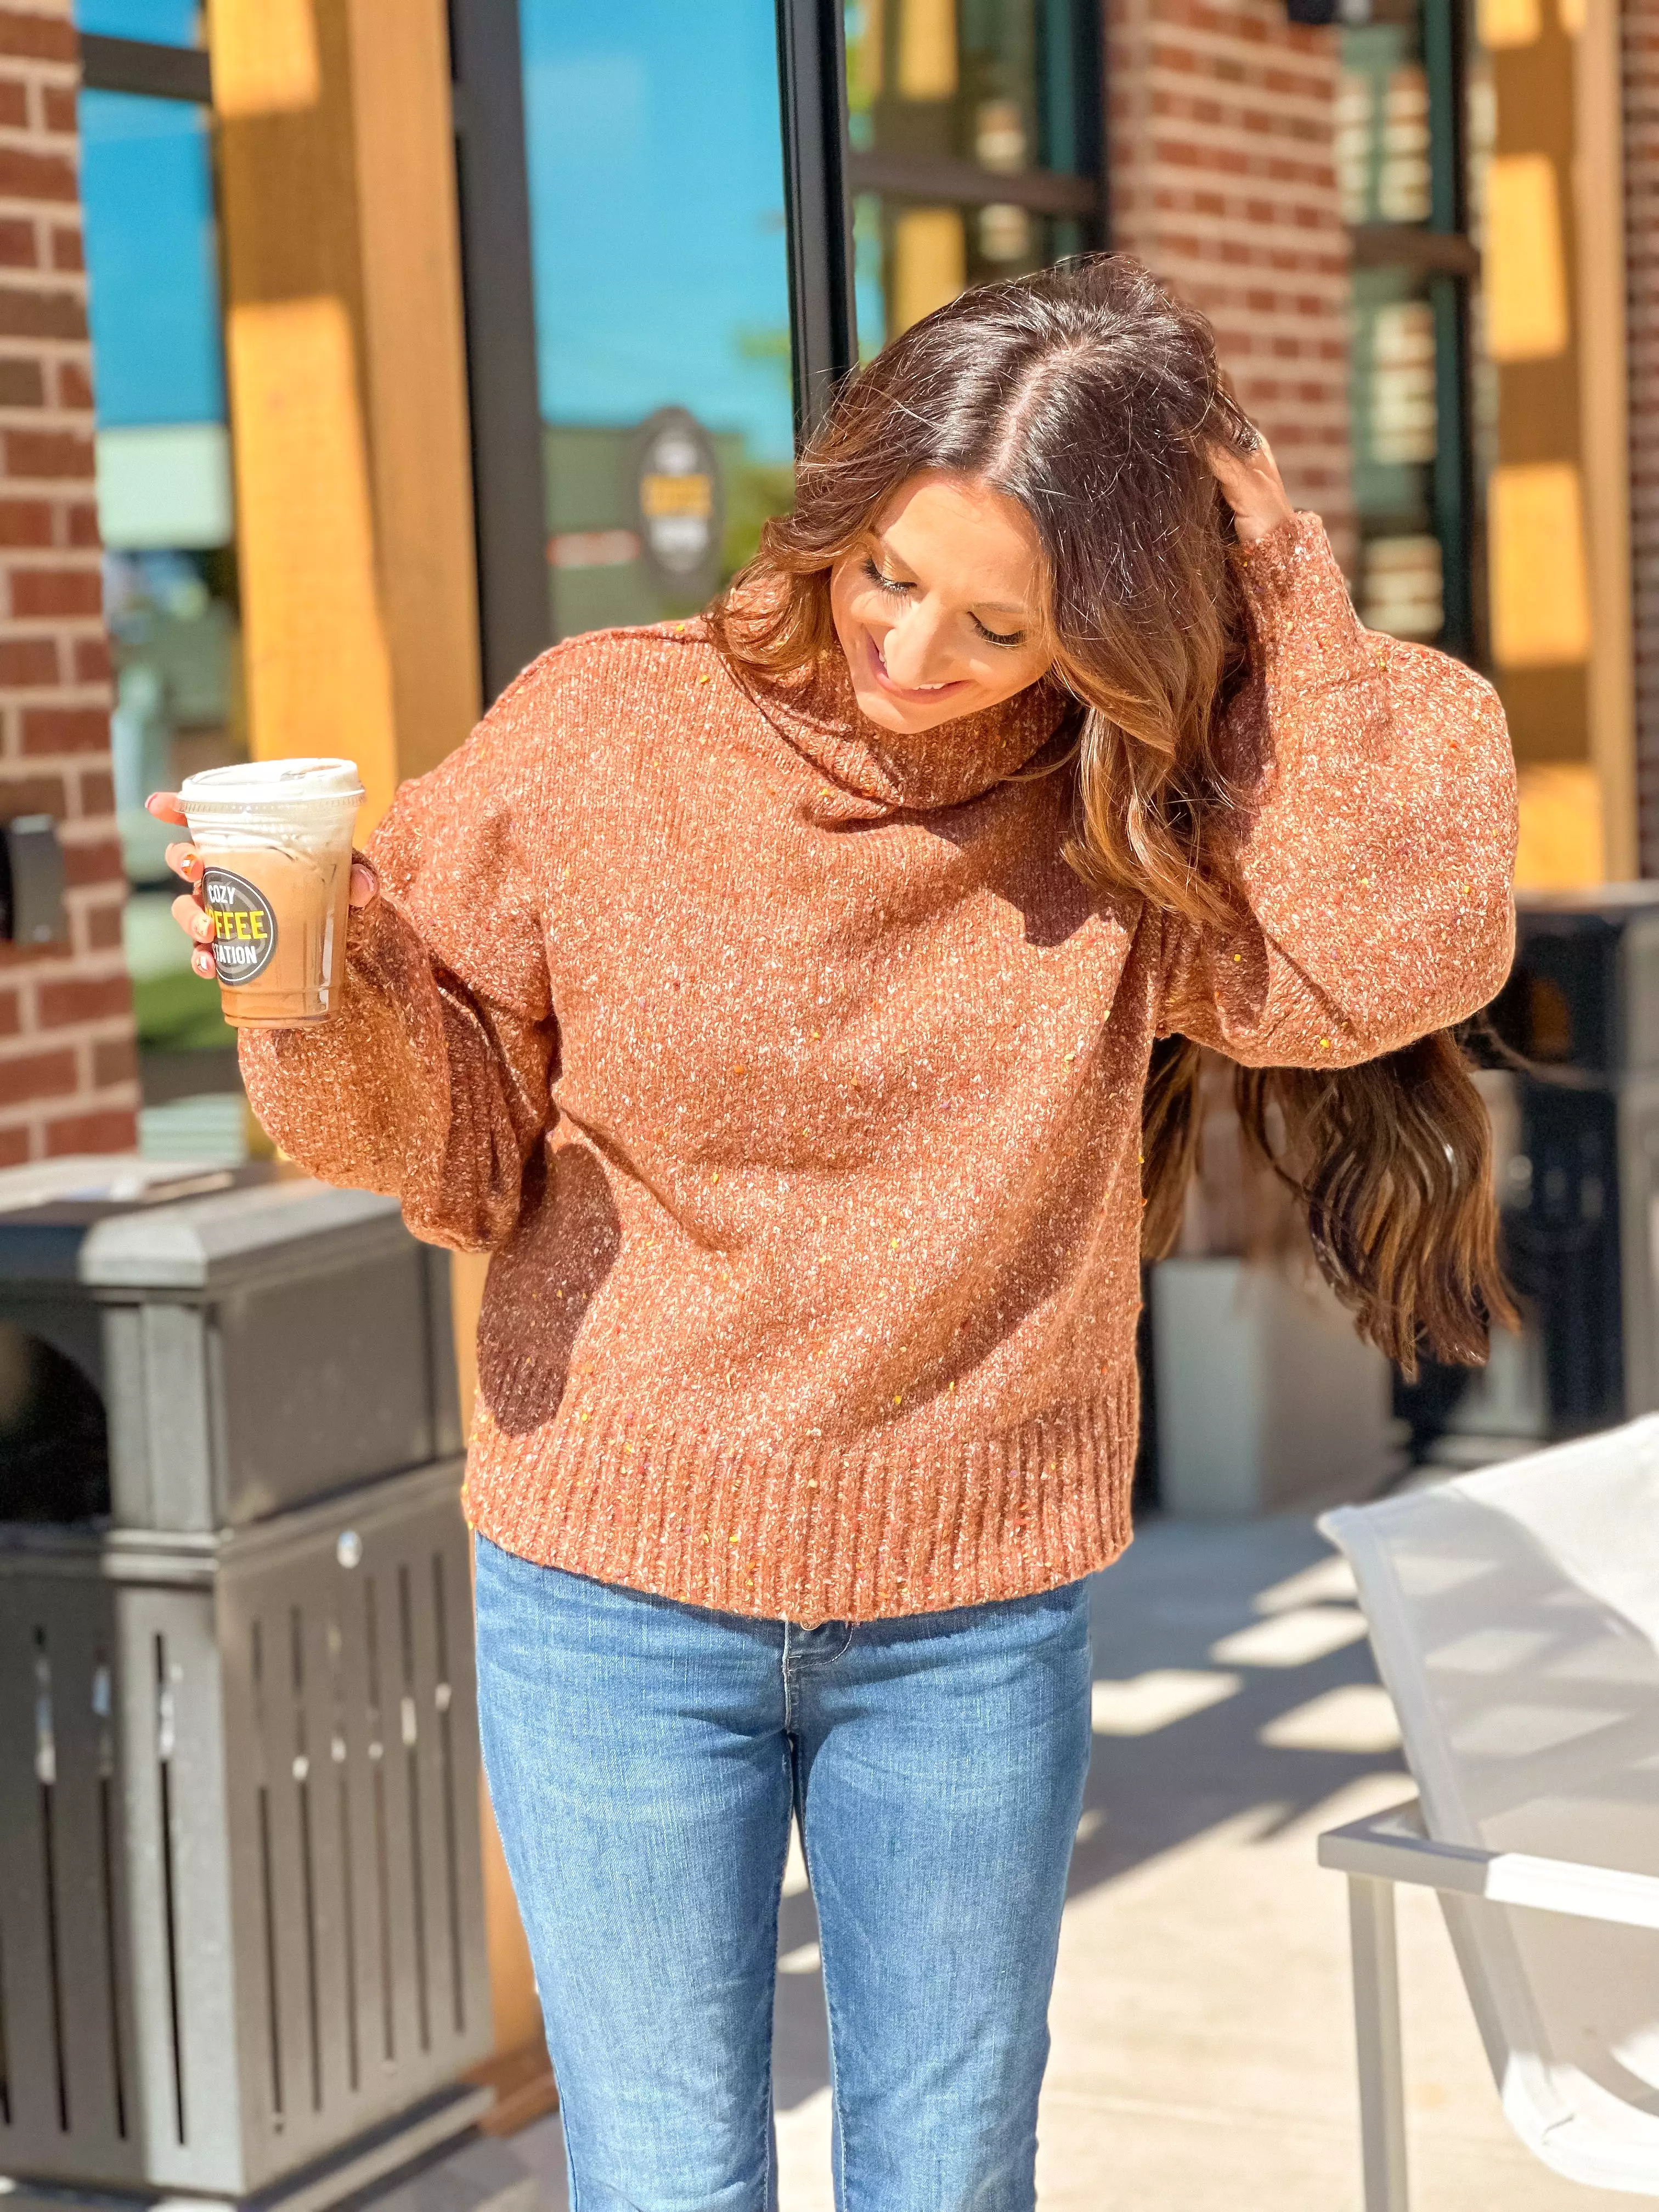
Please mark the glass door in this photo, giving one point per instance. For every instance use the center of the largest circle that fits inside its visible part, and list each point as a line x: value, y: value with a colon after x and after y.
x: 658, y: 204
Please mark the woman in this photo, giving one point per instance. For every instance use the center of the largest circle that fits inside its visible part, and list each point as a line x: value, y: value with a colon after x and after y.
x: 775, y: 996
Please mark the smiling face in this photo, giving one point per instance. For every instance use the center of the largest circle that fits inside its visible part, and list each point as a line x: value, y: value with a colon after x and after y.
x: 940, y: 608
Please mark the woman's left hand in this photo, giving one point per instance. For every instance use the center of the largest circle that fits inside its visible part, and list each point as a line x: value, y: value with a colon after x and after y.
x: 1252, y: 486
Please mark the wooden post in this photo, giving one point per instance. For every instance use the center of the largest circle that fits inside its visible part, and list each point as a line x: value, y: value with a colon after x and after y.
x: 349, y: 420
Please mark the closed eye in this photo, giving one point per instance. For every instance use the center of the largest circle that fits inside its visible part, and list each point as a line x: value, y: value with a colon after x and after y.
x: 892, y: 584
x: 886, y: 583
x: 994, y: 637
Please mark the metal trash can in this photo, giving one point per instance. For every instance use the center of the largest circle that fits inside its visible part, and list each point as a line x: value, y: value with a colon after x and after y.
x: 251, y: 1348
x: 1580, y: 1195
x: 241, y: 1915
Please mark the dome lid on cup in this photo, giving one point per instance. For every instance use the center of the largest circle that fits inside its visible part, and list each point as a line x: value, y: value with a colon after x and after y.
x: 265, y: 782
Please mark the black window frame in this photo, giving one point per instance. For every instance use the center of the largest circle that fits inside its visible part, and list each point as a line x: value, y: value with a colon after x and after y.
x: 1441, y: 252
x: 821, y: 174
x: 146, y: 67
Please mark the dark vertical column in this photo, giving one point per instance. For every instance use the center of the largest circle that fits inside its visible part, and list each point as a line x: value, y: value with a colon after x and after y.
x: 812, y: 86
x: 509, y: 497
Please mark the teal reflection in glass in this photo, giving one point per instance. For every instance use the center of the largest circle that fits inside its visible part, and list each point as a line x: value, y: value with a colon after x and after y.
x: 164, y: 22
x: 165, y: 509
x: 147, y: 192
x: 661, y: 282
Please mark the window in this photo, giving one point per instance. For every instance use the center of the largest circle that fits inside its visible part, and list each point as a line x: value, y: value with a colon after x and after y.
x: 973, y: 148
x: 165, y: 502
x: 660, y: 282
x: 1400, y: 141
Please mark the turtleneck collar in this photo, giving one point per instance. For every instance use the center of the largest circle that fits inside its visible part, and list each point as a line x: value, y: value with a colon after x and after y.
x: 863, y: 771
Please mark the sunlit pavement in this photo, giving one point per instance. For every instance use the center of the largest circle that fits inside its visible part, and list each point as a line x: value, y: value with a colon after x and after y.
x: 1203, y: 2053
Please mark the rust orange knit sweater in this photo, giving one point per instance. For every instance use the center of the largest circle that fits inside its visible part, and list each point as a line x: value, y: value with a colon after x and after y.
x: 793, y: 1080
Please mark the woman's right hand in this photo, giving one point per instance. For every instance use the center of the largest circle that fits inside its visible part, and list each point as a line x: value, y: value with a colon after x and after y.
x: 188, y: 909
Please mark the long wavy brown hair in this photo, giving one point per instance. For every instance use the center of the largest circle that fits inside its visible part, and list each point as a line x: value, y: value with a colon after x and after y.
x: 1092, y: 396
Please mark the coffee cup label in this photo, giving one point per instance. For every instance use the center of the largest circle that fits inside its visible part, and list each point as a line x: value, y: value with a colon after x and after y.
x: 244, y: 927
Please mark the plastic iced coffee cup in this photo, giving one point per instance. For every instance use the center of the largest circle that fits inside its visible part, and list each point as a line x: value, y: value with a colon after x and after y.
x: 275, y: 839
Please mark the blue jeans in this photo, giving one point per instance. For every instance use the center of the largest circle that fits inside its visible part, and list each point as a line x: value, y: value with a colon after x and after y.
x: 645, y: 1759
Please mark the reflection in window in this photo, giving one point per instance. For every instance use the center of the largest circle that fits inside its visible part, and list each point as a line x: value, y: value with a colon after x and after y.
x: 162, y: 23
x: 986, y: 81
x: 937, y: 88
x: 1382, y: 126
x: 661, y: 283
x: 1402, y: 152
x: 1395, y: 434
x: 165, y: 503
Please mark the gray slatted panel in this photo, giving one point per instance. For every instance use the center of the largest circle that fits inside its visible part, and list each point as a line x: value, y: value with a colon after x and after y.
x: 314, y: 1594
x: 451, y: 1542
x: 264, y: 2144
x: 33, y: 2139
x: 230, y: 2146
x: 151, y: 2092
x: 206, y: 1927
x: 427, y: 1779
x: 83, y: 1625
x: 356, y: 1778
x: 380, y: 1558
x: 287, y: 1902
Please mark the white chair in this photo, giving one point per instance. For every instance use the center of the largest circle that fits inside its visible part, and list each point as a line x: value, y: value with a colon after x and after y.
x: 1514, y: 1616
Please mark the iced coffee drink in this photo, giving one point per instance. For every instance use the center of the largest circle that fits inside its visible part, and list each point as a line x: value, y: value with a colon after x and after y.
x: 275, y: 839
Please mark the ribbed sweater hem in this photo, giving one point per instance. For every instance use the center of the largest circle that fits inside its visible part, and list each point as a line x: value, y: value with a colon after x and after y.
x: 813, y: 1531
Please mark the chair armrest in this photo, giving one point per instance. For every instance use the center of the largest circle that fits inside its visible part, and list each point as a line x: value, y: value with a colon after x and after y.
x: 1392, y: 1847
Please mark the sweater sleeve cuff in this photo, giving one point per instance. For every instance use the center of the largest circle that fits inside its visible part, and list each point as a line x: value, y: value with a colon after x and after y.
x: 1297, y: 594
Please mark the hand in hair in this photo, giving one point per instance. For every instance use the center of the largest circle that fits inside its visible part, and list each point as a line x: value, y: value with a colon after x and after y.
x: 1253, y: 487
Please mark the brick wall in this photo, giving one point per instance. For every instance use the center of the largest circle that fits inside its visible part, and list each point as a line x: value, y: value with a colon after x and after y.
x: 67, y: 1066
x: 1640, y: 25
x: 1220, y: 129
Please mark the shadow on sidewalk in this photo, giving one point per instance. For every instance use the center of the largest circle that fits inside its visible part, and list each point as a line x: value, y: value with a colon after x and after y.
x: 1180, y: 1591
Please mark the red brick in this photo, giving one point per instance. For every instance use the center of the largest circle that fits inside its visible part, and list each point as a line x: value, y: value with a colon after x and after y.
x: 11, y: 1013
x: 92, y: 662
x: 25, y: 522
x: 97, y: 793
x: 25, y: 1076
x: 57, y: 592
x: 52, y: 455
x: 17, y: 245
x: 58, y: 103
x: 103, y: 927
x: 113, y: 1130
x: 82, y: 998
x: 21, y: 384
x: 32, y: 795
x: 39, y: 37
x: 26, y: 661
x: 14, y: 1147
x: 115, y: 1059
x: 68, y: 249
x: 25, y: 176
x: 97, y: 862
x: 65, y: 729
x: 73, y: 385
x: 81, y: 520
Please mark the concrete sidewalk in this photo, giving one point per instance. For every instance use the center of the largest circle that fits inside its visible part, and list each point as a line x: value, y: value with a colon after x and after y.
x: 1203, y: 2056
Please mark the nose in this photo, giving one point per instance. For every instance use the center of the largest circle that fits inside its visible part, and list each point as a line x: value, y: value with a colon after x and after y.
x: 912, y: 650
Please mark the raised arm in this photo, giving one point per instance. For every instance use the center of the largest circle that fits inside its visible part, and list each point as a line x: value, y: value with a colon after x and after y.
x: 431, y: 1080
x: 1372, y: 856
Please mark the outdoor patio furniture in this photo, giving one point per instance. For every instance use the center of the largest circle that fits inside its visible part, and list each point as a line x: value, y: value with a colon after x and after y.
x: 1514, y: 1616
